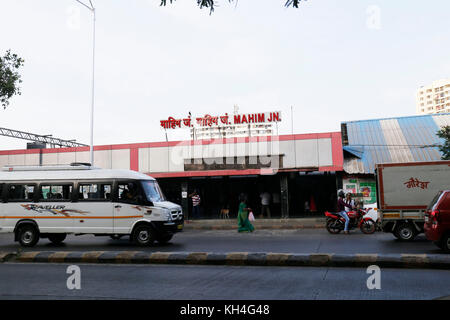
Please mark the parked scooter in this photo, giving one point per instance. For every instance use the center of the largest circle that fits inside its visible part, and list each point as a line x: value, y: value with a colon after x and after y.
x: 364, y: 219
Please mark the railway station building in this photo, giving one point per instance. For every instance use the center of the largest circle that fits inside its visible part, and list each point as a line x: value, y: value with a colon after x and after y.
x: 301, y: 172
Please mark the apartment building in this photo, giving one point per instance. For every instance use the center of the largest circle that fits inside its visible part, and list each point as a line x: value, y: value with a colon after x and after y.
x: 434, y: 98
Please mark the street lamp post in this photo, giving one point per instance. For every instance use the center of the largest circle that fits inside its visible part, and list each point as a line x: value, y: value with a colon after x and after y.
x: 91, y: 148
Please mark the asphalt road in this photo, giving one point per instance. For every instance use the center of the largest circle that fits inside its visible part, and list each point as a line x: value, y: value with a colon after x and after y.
x: 49, y: 281
x: 280, y: 241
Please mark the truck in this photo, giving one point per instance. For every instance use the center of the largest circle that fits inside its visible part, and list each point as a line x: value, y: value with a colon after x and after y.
x: 404, y: 191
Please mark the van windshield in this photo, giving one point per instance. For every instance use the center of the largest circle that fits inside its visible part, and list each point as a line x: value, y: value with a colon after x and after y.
x: 152, y: 191
x: 434, y: 201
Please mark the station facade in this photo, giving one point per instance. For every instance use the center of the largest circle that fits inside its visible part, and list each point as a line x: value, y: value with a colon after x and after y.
x: 301, y: 172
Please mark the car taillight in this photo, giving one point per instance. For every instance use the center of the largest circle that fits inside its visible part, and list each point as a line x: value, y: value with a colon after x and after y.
x: 434, y: 216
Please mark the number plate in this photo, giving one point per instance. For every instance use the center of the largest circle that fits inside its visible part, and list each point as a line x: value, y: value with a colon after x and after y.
x: 180, y: 226
x: 427, y: 219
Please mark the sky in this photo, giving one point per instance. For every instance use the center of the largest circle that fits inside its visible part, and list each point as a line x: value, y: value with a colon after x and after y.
x: 330, y: 60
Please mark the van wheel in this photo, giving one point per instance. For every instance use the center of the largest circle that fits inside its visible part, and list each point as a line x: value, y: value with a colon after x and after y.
x: 405, y: 232
x: 28, y: 235
x: 164, y: 238
x: 57, y: 238
x: 143, y: 235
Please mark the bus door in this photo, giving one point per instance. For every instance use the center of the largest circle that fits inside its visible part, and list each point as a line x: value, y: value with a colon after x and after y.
x: 126, y: 206
x: 93, y: 209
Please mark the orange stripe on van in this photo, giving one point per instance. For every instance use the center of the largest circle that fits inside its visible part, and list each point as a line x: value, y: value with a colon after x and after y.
x: 63, y: 217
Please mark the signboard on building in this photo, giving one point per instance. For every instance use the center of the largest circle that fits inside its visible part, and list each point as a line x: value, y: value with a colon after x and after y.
x: 223, y: 120
x: 361, y: 188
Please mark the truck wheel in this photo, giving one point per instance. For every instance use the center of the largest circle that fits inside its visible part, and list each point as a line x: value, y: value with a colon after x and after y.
x: 28, y: 235
x: 143, y: 235
x: 57, y: 238
x: 164, y: 238
x: 405, y: 232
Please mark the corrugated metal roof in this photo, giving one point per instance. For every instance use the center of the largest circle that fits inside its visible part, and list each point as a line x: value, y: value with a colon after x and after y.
x: 390, y: 140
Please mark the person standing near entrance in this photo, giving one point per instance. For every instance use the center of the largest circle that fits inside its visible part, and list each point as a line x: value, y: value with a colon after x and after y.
x: 244, y: 224
x: 265, y: 204
x: 195, y: 204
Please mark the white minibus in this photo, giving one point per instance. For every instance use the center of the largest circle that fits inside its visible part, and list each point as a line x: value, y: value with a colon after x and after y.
x: 53, y: 201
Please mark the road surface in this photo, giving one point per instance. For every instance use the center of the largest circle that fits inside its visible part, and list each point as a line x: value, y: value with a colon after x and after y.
x: 280, y: 241
x: 174, y: 282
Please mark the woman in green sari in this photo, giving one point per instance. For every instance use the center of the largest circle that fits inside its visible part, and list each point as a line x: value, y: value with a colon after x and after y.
x: 244, y: 224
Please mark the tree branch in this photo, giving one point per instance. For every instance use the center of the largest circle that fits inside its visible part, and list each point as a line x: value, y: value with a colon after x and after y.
x: 211, y: 3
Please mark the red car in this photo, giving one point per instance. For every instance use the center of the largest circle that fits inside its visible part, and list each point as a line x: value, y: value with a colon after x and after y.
x: 437, y: 220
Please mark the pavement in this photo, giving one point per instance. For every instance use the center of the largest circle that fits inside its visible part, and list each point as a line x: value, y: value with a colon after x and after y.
x: 261, y: 224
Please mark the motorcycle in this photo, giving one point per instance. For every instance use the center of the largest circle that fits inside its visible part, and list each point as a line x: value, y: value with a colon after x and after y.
x: 364, y: 219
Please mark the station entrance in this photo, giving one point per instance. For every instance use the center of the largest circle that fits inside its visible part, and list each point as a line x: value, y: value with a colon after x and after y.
x: 308, y: 194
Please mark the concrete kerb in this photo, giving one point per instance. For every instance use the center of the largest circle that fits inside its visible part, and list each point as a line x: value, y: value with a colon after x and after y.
x: 5, y: 256
x: 424, y: 261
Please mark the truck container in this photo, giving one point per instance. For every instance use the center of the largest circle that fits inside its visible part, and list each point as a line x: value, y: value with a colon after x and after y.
x: 404, y: 191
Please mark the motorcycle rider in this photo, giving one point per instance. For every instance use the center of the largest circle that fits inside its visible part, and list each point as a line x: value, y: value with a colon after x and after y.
x: 349, y: 201
x: 341, y: 205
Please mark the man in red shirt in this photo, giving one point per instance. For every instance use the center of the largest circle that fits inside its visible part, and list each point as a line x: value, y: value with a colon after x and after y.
x: 195, y: 204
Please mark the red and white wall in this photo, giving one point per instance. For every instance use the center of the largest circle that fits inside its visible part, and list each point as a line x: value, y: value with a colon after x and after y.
x: 166, y: 159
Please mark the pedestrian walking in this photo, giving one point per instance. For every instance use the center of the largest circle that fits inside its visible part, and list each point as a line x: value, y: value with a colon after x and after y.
x: 244, y: 224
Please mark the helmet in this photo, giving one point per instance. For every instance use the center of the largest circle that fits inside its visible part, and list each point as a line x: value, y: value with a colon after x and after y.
x: 341, y: 194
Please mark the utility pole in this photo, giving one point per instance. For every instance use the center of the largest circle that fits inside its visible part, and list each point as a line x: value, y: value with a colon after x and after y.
x: 92, y: 10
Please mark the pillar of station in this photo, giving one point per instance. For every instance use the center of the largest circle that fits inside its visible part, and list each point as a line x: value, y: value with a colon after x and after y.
x: 284, y: 196
x: 185, y: 199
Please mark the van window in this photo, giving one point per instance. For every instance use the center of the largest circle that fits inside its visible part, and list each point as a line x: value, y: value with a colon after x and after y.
x: 55, y: 192
x: 21, y: 192
x: 128, y: 192
x: 153, y: 191
x: 94, y: 191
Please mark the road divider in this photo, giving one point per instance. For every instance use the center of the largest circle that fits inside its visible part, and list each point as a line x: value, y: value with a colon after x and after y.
x: 425, y: 261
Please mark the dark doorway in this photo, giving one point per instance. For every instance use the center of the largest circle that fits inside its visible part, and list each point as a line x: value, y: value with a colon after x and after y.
x: 311, y: 194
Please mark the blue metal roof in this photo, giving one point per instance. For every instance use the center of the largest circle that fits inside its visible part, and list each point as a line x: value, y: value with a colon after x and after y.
x: 388, y: 140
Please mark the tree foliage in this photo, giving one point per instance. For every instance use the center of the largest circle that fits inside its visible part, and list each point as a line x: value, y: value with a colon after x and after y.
x: 212, y: 3
x: 9, y: 77
x: 444, y: 133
